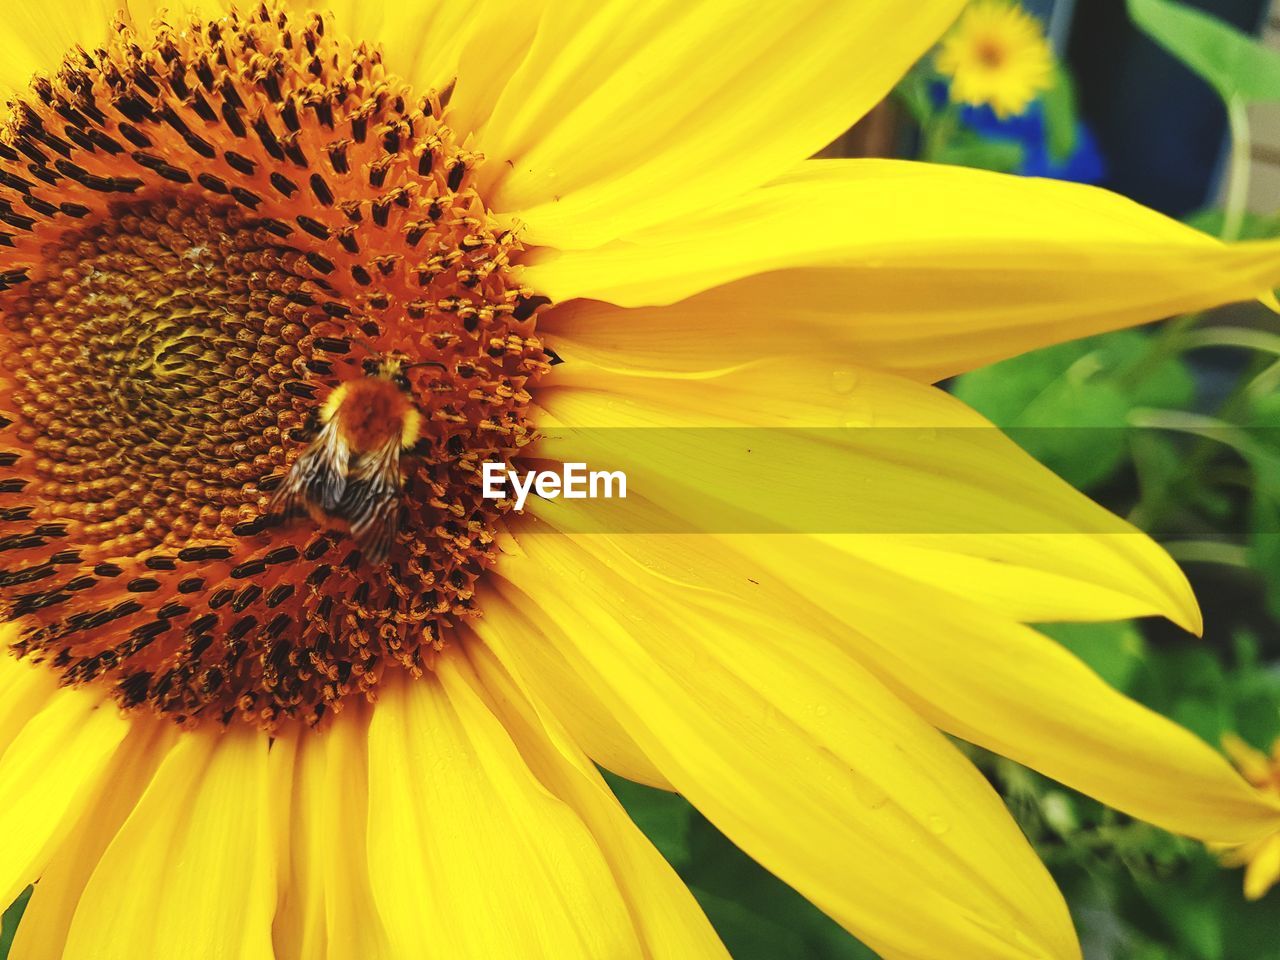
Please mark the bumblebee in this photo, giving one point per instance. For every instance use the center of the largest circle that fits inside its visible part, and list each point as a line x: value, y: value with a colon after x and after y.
x: 351, y: 469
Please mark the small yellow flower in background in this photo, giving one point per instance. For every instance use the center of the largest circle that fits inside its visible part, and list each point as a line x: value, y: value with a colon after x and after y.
x: 1261, y: 857
x: 226, y: 734
x: 996, y: 55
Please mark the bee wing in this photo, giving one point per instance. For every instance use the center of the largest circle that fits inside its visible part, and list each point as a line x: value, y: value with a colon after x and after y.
x: 371, y: 502
x: 318, y: 477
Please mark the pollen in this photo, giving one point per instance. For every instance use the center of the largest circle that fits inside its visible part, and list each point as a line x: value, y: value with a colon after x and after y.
x: 204, y: 232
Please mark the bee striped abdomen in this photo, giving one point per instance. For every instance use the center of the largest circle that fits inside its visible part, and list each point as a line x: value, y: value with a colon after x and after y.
x: 351, y: 470
x: 319, y: 477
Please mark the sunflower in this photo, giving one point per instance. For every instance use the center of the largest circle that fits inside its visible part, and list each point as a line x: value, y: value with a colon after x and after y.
x: 226, y: 732
x: 1261, y: 857
x: 996, y: 56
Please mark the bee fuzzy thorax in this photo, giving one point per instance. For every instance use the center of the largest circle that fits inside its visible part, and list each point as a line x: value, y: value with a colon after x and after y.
x: 370, y: 410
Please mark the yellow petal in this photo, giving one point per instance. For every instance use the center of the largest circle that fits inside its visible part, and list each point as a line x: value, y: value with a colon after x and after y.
x: 469, y: 856
x: 662, y: 909
x: 1251, y: 762
x: 25, y: 688
x: 939, y: 494
x: 43, y: 930
x: 499, y: 39
x: 1040, y: 578
x: 624, y: 115
x: 589, y: 721
x: 326, y: 907
x: 37, y: 35
x: 978, y: 676
x: 420, y: 41
x: 295, y: 779
x: 1263, y: 870
x: 924, y: 269
x: 203, y: 826
x: 798, y: 754
x: 49, y: 772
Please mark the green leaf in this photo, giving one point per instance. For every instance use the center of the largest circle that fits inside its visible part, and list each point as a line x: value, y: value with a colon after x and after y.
x: 1161, y: 468
x: 966, y: 149
x: 1114, y: 650
x: 1254, y: 689
x: 663, y: 817
x: 1232, y: 62
x: 9, y: 922
x: 1049, y: 389
x: 757, y: 915
x: 1196, y: 920
x: 1204, y: 908
x: 1059, y: 103
x: 746, y: 934
x: 1264, y: 412
x: 1264, y: 548
x: 1189, y: 685
x: 1254, y: 226
x: 912, y: 92
x: 1068, y: 405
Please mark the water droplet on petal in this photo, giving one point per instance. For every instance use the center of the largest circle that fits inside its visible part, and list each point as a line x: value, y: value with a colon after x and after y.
x: 871, y: 794
x: 843, y: 381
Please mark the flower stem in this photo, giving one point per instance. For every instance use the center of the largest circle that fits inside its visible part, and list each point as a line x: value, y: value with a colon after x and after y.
x: 1261, y: 340
x: 1264, y: 383
x: 1241, y: 160
x: 1208, y: 551
x: 1209, y: 431
x: 1197, y: 424
x: 937, y: 134
x: 1166, y: 343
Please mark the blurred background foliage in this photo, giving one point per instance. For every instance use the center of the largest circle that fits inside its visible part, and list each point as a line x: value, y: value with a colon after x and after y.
x: 1175, y: 426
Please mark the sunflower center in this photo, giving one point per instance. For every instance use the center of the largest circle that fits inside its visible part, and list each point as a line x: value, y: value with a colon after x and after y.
x: 205, y: 235
x: 990, y: 53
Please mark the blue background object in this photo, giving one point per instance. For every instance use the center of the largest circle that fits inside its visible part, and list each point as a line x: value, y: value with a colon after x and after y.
x: 1029, y: 130
x: 1161, y: 128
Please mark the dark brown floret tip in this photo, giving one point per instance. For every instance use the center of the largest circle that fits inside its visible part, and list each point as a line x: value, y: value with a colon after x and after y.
x: 207, y: 229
